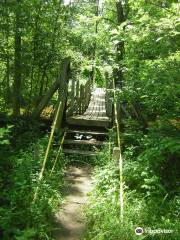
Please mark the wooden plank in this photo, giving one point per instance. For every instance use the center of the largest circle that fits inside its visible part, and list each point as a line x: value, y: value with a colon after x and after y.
x: 95, y: 114
x: 100, y: 122
x: 77, y: 97
x: 95, y: 106
x: 90, y: 107
x: 85, y: 142
x: 72, y: 90
x: 101, y: 108
x: 77, y: 89
x: 98, y: 133
x: 79, y: 152
x: 81, y: 98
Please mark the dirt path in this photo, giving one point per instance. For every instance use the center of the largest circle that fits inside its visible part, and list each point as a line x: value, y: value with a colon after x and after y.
x: 70, y: 220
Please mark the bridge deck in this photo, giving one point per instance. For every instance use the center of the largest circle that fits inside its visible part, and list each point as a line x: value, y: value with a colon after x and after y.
x: 95, y: 114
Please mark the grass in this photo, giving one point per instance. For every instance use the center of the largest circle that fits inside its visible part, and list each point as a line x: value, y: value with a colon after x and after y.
x: 151, y: 197
x: 21, y: 218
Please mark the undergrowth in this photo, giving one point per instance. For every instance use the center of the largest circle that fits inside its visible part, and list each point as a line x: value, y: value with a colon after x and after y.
x: 21, y: 218
x: 151, y: 188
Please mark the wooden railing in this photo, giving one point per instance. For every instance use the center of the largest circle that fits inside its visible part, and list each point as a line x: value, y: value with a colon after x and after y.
x: 78, y: 97
x: 60, y: 85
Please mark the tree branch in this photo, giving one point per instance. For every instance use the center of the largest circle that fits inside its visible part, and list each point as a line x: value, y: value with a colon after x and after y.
x: 110, y: 20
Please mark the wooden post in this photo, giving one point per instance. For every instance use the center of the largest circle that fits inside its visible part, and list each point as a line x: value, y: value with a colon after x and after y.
x: 88, y: 92
x: 116, y: 154
x: 77, y: 88
x: 77, y: 97
x: 62, y: 80
x: 72, y: 107
x: 63, y: 91
x: 81, y: 99
x: 73, y: 91
x: 62, y: 98
x: 86, y: 95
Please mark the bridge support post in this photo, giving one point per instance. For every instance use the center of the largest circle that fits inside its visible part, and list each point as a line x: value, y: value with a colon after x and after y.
x: 63, y: 91
x: 60, y: 83
x: 116, y: 154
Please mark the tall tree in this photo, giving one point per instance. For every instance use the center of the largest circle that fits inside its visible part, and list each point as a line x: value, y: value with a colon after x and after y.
x: 17, y: 60
x: 122, y: 9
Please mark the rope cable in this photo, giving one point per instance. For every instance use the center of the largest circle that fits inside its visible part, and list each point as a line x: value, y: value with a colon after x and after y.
x: 120, y: 161
x: 47, y: 150
x: 58, y: 153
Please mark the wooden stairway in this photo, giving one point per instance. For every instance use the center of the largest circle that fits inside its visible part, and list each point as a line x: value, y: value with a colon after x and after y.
x: 88, y: 131
x: 84, y: 142
x: 95, y: 115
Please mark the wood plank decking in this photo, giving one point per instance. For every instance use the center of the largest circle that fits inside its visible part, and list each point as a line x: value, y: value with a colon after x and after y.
x: 88, y: 132
x: 95, y: 114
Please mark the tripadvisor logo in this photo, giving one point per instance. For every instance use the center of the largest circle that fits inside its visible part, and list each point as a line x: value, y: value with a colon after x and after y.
x: 139, y: 231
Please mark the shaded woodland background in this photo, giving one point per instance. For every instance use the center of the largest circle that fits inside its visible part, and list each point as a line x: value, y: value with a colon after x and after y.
x: 137, y: 44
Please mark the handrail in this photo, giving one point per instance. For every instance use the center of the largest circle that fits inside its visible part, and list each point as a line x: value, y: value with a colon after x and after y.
x: 120, y: 158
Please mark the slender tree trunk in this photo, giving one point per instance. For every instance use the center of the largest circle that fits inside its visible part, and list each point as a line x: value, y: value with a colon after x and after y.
x: 50, y: 55
x: 121, y: 17
x: 7, y: 84
x: 34, y: 54
x: 122, y: 12
x: 17, y: 62
x: 92, y: 73
x: 7, y: 77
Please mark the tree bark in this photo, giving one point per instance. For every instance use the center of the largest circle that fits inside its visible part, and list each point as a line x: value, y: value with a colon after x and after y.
x: 50, y: 54
x: 122, y: 12
x: 7, y: 83
x: 17, y: 62
x: 92, y: 73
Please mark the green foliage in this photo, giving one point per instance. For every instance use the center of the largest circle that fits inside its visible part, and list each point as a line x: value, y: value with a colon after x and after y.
x: 21, y: 218
x: 149, y: 65
x: 5, y: 134
x: 2, y: 106
x: 150, y: 95
x: 150, y: 192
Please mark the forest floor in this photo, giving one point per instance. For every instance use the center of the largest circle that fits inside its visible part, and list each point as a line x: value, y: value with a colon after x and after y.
x: 70, y: 222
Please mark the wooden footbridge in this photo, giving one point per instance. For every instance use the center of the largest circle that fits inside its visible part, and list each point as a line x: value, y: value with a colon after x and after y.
x: 88, y: 129
x: 83, y: 110
x: 95, y: 115
x: 85, y: 113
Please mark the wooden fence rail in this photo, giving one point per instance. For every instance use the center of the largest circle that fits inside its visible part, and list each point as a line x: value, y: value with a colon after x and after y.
x: 79, y: 97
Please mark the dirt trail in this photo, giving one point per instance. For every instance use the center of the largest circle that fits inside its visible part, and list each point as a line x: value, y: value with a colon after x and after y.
x: 70, y: 219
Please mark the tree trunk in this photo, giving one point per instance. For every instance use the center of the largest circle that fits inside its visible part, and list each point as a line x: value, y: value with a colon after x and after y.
x: 122, y: 12
x: 50, y: 54
x: 34, y: 53
x: 8, y: 95
x: 7, y: 83
x: 92, y: 73
x: 17, y: 62
x: 121, y: 17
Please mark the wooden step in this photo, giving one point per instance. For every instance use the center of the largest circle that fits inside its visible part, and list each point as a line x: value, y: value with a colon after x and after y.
x: 97, y: 133
x: 79, y: 152
x: 92, y: 122
x: 85, y: 142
